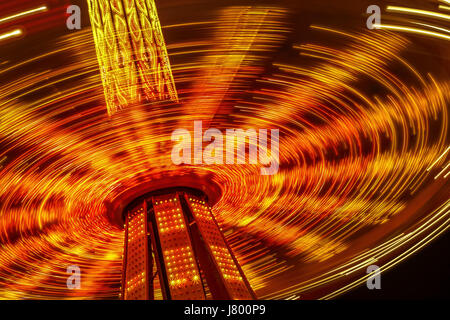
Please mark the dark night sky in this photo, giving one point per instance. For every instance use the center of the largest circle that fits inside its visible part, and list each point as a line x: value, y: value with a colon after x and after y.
x: 425, y: 275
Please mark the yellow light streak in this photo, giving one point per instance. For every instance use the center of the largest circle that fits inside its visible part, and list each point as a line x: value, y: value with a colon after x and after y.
x: 437, y: 160
x: 419, y: 12
x: 412, y: 30
x: 11, y: 34
x: 24, y: 13
x: 443, y: 170
x: 432, y: 27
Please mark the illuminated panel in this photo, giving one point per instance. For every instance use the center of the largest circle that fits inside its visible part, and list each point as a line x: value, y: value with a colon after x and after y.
x: 136, y: 282
x: 212, y: 235
x: 131, y: 52
x: 178, y: 255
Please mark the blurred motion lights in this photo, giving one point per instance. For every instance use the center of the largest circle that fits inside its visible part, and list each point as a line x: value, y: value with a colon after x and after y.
x: 131, y: 52
x: 85, y: 145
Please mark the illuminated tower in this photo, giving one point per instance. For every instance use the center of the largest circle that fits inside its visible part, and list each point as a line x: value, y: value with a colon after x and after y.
x: 174, y: 248
x: 131, y: 52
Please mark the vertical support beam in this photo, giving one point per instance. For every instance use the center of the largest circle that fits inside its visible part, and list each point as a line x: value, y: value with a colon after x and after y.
x: 178, y: 258
x: 204, y: 255
x: 136, y: 282
x: 229, y: 270
x: 123, y: 286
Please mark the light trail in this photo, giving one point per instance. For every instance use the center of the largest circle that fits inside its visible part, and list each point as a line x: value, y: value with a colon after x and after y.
x: 23, y: 14
x: 11, y: 34
x: 412, y: 30
x: 433, y: 27
x: 443, y: 170
x: 418, y: 12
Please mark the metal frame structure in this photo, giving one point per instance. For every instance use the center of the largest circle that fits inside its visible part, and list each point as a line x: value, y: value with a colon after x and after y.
x: 175, y: 234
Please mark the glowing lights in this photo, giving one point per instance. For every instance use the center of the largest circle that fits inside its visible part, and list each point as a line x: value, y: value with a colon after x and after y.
x: 413, y: 30
x: 178, y: 254
x: 11, y: 34
x: 131, y: 53
x: 136, y: 246
x: 430, y: 15
x: 181, y: 266
x: 24, y: 13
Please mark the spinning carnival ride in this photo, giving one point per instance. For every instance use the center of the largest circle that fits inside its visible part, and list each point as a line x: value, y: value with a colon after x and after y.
x: 85, y: 140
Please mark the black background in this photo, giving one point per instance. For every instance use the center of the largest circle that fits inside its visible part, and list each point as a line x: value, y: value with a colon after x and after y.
x: 425, y: 275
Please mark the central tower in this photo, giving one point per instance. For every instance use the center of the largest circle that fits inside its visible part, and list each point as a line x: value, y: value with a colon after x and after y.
x: 174, y: 249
